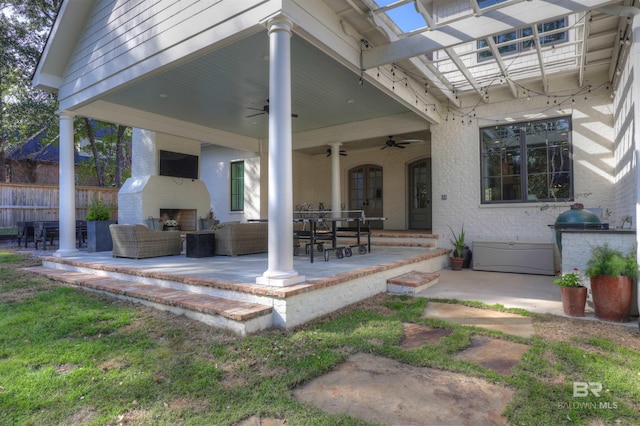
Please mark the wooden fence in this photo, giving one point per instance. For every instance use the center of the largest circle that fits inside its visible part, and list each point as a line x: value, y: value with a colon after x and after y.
x: 21, y: 202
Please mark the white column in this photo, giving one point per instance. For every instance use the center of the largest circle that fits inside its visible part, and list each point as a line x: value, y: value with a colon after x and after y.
x: 67, y: 202
x: 635, y: 66
x: 280, y: 258
x: 336, y: 203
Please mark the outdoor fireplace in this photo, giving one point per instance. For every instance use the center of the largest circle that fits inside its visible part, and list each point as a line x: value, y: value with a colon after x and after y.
x: 186, y: 218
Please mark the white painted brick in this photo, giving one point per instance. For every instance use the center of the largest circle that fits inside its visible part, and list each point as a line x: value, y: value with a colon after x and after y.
x: 456, y: 172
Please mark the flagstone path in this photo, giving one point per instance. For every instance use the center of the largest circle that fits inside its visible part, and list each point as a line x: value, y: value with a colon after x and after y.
x: 382, y: 390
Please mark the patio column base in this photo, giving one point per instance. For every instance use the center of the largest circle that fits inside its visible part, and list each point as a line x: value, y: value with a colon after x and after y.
x: 281, y: 281
x: 65, y: 252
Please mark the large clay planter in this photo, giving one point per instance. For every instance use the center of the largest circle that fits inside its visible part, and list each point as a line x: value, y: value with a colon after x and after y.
x: 574, y: 300
x: 456, y: 263
x: 612, y: 297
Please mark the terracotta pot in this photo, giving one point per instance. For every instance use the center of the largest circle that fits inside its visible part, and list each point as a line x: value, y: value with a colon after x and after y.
x: 456, y: 263
x: 574, y: 300
x: 612, y: 297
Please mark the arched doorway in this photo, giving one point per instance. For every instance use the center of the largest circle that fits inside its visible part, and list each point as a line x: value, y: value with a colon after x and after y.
x: 420, y: 215
x: 365, y: 191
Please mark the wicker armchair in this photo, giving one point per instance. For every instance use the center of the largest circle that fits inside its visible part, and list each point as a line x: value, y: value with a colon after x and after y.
x: 138, y: 241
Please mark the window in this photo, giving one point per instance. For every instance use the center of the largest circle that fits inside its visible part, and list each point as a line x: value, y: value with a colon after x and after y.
x: 237, y: 186
x: 527, y: 162
x: 506, y: 48
x: 488, y: 3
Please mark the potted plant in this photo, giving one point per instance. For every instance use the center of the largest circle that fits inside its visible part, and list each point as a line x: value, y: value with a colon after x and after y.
x: 611, y: 275
x: 98, y: 221
x: 573, y: 293
x: 170, y: 225
x: 208, y: 222
x: 457, y: 257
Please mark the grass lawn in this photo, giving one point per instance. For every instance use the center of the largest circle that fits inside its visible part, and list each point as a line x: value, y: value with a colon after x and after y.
x: 71, y: 357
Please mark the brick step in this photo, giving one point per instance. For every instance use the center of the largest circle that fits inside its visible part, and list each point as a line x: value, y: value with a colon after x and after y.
x: 412, y: 282
x: 240, y: 317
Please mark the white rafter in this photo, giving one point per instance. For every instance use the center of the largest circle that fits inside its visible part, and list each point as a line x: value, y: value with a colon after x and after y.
x: 465, y: 72
x: 501, y: 65
x: 543, y: 75
x: 492, y: 21
x: 382, y: 21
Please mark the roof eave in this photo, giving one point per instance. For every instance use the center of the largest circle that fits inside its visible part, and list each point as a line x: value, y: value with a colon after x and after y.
x: 60, y: 44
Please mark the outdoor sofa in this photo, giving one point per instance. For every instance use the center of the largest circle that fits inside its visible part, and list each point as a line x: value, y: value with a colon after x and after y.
x: 138, y: 241
x: 236, y: 238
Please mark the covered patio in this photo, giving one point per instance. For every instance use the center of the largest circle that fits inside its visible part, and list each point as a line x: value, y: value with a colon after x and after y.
x: 437, y: 117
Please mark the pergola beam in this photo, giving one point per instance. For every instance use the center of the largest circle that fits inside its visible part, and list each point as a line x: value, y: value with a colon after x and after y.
x: 503, y: 68
x: 494, y: 21
x: 543, y: 75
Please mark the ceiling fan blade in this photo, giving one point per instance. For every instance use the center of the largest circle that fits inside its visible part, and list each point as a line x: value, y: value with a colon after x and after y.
x: 253, y: 115
x: 399, y: 146
x: 386, y: 146
x: 294, y: 115
x: 411, y: 140
x: 342, y: 152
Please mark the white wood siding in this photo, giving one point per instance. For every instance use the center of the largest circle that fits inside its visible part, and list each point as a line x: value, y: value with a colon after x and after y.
x: 134, y: 37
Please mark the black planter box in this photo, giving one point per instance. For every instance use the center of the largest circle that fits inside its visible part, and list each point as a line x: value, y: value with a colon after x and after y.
x: 99, y: 235
x: 201, y: 244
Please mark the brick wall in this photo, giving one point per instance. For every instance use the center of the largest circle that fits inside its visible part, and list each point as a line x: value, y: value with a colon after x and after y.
x: 456, y: 170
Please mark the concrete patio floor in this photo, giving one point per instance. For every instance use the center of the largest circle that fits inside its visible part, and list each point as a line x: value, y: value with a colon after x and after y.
x: 535, y: 293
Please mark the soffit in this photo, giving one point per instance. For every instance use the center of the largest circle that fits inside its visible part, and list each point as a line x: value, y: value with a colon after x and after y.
x: 225, y: 90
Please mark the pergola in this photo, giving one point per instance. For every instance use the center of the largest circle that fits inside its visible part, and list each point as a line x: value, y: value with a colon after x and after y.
x: 346, y: 68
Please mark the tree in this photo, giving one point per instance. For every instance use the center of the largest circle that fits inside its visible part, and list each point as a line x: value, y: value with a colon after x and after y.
x: 109, y: 147
x: 24, y: 111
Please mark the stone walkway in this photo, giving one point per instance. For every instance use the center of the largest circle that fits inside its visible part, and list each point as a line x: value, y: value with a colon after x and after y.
x: 382, y: 390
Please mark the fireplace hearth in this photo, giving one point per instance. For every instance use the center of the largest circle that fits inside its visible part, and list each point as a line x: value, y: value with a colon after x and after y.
x: 186, y: 218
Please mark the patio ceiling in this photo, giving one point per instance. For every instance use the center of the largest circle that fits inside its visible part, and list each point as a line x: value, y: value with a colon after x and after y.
x: 224, y: 88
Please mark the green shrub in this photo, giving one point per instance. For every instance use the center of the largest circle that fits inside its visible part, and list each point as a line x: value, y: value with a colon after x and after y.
x: 608, y: 261
x: 98, y: 210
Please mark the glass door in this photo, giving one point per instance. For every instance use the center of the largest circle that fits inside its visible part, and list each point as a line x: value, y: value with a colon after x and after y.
x: 365, y: 191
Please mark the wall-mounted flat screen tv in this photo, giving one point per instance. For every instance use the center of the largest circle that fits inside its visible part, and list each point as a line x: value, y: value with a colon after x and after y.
x: 177, y: 164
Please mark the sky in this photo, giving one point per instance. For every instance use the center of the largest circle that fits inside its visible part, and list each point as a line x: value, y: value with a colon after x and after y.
x: 405, y: 16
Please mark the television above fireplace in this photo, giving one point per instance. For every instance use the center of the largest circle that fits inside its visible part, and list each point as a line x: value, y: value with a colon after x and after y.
x: 177, y: 164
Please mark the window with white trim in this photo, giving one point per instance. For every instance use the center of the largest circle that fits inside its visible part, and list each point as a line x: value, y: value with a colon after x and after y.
x: 553, y: 30
x: 237, y: 186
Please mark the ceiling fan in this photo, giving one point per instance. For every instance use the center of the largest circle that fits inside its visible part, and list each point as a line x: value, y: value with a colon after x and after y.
x: 342, y: 152
x: 390, y: 143
x: 264, y: 110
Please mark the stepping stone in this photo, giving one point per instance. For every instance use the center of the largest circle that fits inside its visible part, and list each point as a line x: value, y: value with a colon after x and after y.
x: 385, y: 391
x: 261, y: 421
x: 495, y: 354
x: 417, y: 335
x: 516, y: 325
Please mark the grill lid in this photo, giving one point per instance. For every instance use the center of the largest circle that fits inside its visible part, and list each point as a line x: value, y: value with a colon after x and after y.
x: 577, y: 216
